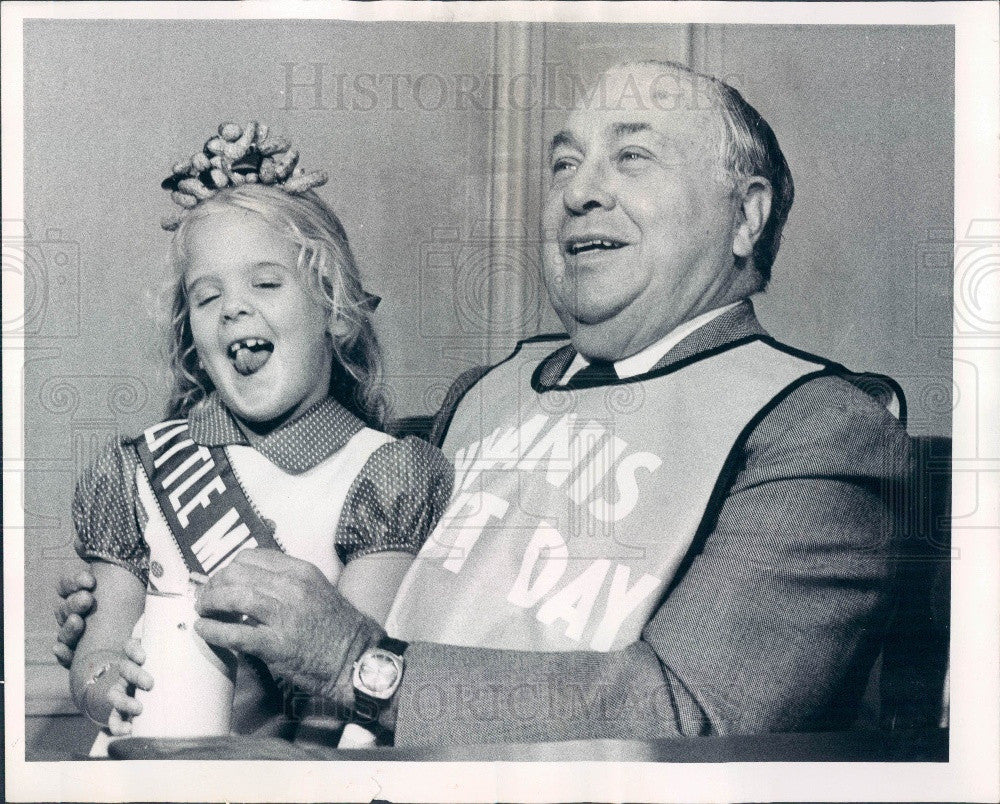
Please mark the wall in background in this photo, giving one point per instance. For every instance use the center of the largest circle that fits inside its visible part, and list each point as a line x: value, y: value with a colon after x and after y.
x: 434, y: 135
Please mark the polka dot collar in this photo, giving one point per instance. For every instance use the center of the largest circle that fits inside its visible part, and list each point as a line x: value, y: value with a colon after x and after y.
x: 295, y: 447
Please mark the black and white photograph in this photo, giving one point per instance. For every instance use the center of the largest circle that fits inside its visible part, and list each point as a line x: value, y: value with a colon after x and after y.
x: 503, y: 401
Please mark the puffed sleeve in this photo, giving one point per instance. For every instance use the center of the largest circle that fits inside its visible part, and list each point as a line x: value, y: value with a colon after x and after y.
x: 396, y: 500
x: 106, y: 511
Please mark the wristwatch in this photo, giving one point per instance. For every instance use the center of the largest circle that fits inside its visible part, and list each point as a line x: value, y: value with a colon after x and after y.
x: 377, y: 675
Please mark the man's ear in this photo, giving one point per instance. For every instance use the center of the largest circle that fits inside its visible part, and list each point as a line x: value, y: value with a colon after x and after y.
x: 754, y: 195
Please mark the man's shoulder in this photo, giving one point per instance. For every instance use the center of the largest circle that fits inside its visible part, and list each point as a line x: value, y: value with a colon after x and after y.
x: 831, y: 405
x: 833, y: 424
x: 842, y: 396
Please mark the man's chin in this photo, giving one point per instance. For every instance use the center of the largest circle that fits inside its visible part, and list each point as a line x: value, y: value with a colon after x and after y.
x: 600, y: 323
x: 602, y: 340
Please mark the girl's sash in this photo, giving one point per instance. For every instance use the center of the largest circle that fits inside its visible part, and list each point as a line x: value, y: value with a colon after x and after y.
x: 202, y: 502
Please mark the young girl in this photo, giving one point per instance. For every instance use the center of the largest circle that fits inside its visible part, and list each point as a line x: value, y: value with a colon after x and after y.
x: 276, y: 374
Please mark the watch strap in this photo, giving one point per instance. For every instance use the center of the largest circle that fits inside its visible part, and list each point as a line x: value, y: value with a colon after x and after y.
x: 396, y: 646
x: 366, y: 709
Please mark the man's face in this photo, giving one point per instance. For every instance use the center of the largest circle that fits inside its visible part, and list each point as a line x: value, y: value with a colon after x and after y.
x: 641, y: 212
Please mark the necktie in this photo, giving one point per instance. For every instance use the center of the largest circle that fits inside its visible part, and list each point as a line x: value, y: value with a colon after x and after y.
x: 596, y: 373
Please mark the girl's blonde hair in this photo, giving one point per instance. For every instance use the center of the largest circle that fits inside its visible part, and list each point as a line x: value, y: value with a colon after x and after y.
x: 325, y: 262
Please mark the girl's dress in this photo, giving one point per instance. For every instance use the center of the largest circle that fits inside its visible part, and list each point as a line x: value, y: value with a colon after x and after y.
x: 332, y: 488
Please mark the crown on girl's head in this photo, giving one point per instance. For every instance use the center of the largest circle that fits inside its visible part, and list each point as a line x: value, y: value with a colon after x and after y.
x: 237, y: 156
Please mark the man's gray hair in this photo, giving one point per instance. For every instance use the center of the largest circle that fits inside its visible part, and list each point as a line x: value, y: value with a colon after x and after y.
x: 751, y: 149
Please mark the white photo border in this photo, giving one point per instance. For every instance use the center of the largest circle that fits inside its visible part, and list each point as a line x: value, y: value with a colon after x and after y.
x: 971, y: 774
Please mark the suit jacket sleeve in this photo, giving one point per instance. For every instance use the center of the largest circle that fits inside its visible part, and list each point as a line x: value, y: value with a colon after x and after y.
x: 772, y: 623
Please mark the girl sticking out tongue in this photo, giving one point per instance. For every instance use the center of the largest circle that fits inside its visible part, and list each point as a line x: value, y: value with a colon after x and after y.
x: 276, y: 364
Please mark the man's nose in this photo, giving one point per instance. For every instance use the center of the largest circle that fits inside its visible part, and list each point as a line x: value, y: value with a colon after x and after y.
x: 587, y: 190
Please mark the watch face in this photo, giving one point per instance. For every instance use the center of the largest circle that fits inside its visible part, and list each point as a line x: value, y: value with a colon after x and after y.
x: 378, y: 672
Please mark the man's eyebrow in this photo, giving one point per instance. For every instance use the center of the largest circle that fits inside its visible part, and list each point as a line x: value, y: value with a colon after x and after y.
x: 566, y: 139
x: 563, y: 138
x: 624, y: 129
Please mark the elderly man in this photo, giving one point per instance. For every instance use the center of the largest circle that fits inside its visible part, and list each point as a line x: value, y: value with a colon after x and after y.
x: 670, y: 525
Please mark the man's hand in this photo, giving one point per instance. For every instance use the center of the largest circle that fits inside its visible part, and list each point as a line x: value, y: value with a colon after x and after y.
x: 75, y: 590
x: 301, y: 626
x: 131, y: 677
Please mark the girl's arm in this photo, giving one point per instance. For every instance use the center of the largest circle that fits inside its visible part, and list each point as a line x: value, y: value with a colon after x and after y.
x: 119, y: 599
x: 370, y: 582
x: 394, y: 504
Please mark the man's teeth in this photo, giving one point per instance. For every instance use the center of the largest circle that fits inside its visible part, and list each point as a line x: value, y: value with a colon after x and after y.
x: 586, y: 245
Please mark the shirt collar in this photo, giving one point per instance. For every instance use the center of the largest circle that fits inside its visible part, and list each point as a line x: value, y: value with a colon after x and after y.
x: 643, y: 361
x: 295, y: 447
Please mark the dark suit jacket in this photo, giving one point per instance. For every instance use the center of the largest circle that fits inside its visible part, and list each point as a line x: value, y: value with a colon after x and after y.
x: 772, y: 623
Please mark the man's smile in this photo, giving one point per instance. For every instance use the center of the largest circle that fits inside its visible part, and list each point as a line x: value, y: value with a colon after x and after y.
x: 574, y: 246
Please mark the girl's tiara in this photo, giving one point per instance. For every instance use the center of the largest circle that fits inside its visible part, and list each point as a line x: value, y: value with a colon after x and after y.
x: 237, y: 156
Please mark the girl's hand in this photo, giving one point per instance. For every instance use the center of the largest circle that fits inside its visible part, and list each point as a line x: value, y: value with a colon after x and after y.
x: 131, y: 676
x: 75, y: 605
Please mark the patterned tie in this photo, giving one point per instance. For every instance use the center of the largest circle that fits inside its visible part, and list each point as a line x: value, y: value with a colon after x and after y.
x: 596, y: 372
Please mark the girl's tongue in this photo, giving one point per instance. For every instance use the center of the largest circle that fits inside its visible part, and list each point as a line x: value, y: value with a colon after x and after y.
x: 250, y: 355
